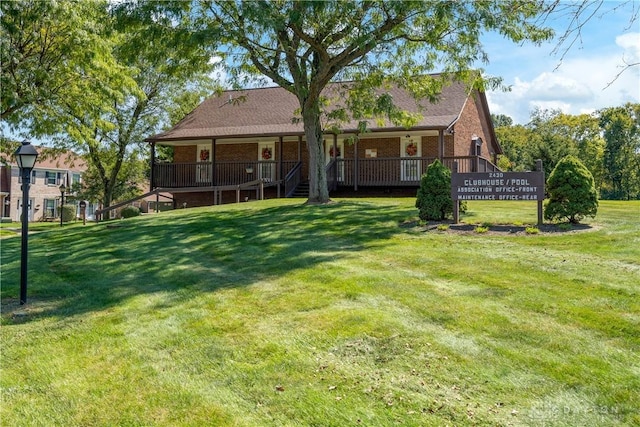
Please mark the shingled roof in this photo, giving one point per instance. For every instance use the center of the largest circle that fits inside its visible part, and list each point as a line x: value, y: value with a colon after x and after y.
x: 270, y: 112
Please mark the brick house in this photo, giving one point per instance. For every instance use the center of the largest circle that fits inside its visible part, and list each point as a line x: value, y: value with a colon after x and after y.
x: 241, y: 136
x: 49, y: 173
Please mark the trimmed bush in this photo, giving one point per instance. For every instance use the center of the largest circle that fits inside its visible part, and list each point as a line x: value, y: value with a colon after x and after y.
x: 434, y: 195
x: 68, y: 213
x: 572, y: 192
x: 129, y: 211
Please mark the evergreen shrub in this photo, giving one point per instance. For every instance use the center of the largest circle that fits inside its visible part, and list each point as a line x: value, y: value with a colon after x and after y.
x: 129, y: 211
x: 68, y: 213
x: 572, y: 192
x: 434, y: 195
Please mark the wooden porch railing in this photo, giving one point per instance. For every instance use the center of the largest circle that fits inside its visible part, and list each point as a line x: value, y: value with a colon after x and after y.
x: 400, y: 171
x: 207, y: 174
x: 395, y: 171
x: 332, y: 174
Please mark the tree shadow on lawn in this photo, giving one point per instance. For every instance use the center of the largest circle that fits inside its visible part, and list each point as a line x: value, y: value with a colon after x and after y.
x: 85, y: 269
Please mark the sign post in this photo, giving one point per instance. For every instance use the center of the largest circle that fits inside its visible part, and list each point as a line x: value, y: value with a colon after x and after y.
x: 541, y: 172
x: 456, y: 203
x: 497, y: 186
x: 83, y: 211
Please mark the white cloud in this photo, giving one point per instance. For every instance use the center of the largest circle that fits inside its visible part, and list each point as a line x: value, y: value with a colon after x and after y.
x: 630, y: 42
x: 583, y: 83
x: 551, y: 86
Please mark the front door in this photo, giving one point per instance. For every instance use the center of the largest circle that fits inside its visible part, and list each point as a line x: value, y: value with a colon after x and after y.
x: 338, y: 155
x: 203, y: 171
x: 266, y: 161
x: 410, y: 165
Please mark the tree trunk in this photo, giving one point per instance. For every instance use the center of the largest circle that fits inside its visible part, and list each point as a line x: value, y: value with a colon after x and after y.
x: 318, y: 191
x: 108, y: 194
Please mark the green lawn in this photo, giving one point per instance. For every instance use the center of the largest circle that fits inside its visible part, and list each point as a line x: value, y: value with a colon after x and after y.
x: 279, y: 314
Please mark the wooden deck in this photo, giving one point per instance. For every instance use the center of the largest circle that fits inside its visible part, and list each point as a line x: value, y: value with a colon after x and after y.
x: 375, y: 172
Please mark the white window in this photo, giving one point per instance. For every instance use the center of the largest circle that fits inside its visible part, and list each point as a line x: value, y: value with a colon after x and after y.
x: 51, y: 178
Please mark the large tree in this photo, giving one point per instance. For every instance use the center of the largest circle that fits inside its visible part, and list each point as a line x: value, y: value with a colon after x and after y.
x: 583, y: 133
x: 170, y: 72
x: 304, y: 45
x: 550, y: 135
x: 48, y: 50
x: 516, y: 142
x: 102, y: 99
x: 621, y: 127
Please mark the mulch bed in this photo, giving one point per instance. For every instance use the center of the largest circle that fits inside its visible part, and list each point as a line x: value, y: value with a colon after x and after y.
x: 499, y: 229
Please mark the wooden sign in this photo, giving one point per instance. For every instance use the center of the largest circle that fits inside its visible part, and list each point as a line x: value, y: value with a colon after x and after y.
x: 498, y: 186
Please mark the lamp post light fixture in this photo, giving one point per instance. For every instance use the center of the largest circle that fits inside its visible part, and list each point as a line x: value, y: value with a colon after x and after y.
x: 26, y: 157
x: 62, y: 190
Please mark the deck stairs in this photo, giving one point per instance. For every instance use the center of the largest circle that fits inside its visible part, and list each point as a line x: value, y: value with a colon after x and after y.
x: 301, y: 191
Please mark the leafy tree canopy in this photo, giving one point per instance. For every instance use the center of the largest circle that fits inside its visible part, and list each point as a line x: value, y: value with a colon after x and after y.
x: 53, y: 55
x: 304, y: 45
x: 98, y: 80
x: 606, y: 142
x: 621, y: 157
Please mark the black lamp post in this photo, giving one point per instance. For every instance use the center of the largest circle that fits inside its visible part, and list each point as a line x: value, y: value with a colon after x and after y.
x: 26, y: 157
x: 62, y: 190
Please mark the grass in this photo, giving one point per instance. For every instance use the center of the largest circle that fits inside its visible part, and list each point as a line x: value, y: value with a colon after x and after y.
x: 276, y: 313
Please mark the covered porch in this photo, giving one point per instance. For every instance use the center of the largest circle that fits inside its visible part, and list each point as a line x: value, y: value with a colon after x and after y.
x: 288, y: 174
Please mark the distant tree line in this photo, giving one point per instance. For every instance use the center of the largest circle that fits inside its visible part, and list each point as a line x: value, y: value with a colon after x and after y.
x: 607, y: 142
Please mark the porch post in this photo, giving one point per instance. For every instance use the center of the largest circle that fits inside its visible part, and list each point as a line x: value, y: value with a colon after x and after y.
x: 335, y: 144
x: 335, y: 163
x: 213, y: 162
x: 280, y: 165
x: 355, y: 165
x: 153, y: 161
x: 440, y: 144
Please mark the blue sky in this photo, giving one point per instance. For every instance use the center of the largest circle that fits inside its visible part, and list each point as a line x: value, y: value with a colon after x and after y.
x: 577, y: 83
